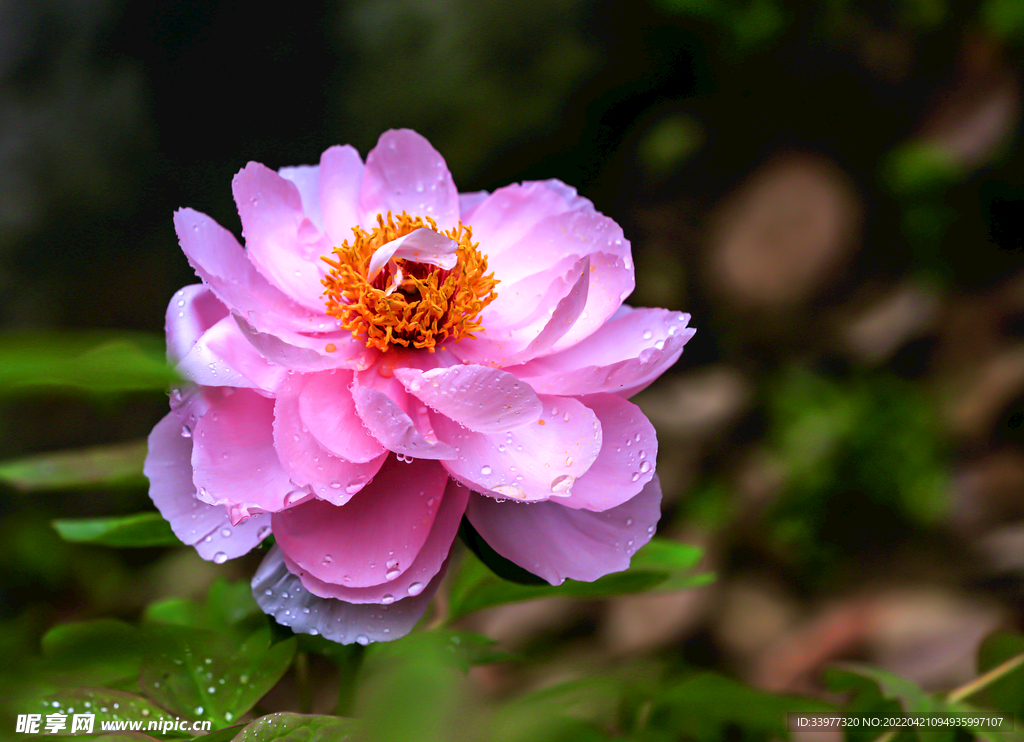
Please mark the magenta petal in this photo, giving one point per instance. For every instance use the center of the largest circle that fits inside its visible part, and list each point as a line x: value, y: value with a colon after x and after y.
x: 393, y: 427
x: 328, y: 410
x: 272, y: 221
x: 308, y: 463
x: 380, y: 530
x: 341, y: 177
x: 234, y: 459
x: 629, y: 450
x: 530, y: 463
x: 425, y: 566
x: 482, y: 399
x: 281, y: 595
x: 555, y: 542
x: 224, y: 357
x: 169, y: 470
x: 623, y: 356
x: 405, y: 173
x: 192, y: 311
x: 221, y: 262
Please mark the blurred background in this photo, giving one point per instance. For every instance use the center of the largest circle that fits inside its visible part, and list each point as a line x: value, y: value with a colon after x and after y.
x: 833, y: 190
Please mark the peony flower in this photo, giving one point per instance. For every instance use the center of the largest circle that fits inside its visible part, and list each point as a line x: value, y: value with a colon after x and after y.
x: 386, y: 356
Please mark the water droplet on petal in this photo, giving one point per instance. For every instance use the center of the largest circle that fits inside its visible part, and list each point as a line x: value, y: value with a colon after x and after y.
x: 648, y: 334
x: 326, y: 560
x: 416, y: 588
x: 220, y: 557
x: 186, y: 431
x: 392, y: 574
x: 563, y: 483
x: 362, y: 639
x: 388, y: 599
x: 645, y: 467
x: 485, y: 470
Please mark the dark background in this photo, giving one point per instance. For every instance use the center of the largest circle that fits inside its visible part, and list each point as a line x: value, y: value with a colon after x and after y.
x: 833, y: 190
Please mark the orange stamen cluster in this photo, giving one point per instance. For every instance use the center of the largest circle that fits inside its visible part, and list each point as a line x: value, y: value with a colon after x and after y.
x: 428, y: 306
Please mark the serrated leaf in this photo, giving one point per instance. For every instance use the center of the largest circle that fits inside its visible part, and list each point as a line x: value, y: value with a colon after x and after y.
x: 202, y: 674
x: 285, y: 727
x: 107, y: 706
x: 101, y: 652
x: 141, y: 529
x: 119, y: 464
x: 476, y: 587
x: 91, y: 362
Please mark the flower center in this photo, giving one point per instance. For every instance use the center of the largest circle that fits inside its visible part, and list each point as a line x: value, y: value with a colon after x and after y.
x: 408, y: 283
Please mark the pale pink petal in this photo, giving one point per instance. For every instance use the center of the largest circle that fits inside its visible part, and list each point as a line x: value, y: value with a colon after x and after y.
x: 281, y: 595
x: 420, y: 246
x: 393, y: 419
x: 301, y: 352
x: 224, y: 357
x: 234, y: 460
x: 530, y: 463
x: 380, y: 530
x: 281, y: 243
x: 169, y: 470
x: 623, y: 356
x: 307, y: 179
x: 424, y: 566
x: 341, y: 177
x: 192, y: 311
x: 222, y: 264
x: 611, y: 281
x: 507, y: 215
x: 329, y: 412
x: 555, y: 542
x: 468, y: 203
x: 482, y: 399
x: 629, y: 450
x: 308, y: 463
x: 405, y: 173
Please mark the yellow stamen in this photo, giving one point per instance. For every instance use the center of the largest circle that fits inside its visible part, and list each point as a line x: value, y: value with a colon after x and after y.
x: 427, y: 306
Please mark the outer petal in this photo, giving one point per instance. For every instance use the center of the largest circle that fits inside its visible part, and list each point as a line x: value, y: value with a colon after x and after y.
x: 221, y: 262
x: 224, y: 357
x: 234, y: 460
x: 404, y: 173
x: 308, y: 463
x: 629, y: 449
x: 508, y: 214
x: 482, y: 399
x: 341, y: 176
x: 468, y: 203
x: 307, y: 179
x: 531, y: 463
x: 300, y: 352
x: 623, y: 356
x: 169, y: 469
x: 328, y: 410
x: 280, y: 594
x: 192, y: 311
x: 380, y: 530
x: 280, y: 241
x: 555, y: 542
x: 423, y: 569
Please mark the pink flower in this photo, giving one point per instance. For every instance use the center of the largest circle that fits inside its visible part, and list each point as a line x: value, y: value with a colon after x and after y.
x: 387, y: 355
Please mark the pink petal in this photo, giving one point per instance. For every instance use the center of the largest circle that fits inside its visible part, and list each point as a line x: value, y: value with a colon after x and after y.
x: 222, y: 264
x: 328, y: 410
x: 390, y: 424
x: 556, y: 542
x: 380, y: 530
x: 224, y: 357
x: 404, y: 173
x: 277, y: 242
x: 307, y: 180
x: 623, y: 356
x: 611, y: 281
x: 420, y: 246
x: 280, y: 594
x: 505, y: 217
x: 308, y: 463
x: 482, y: 399
x: 468, y: 203
x: 531, y: 463
x: 300, y: 352
x: 424, y: 567
x: 341, y: 176
x: 192, y: 311
x: 569, y: 194
x: 169, y: 470
x: 629, y: 450
x: 234, y: 460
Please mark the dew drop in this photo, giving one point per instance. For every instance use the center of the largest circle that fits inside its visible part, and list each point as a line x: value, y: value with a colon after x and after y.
x: 416, y: 588
x: 485, y: 470
x: 186, y: 431
x: 629, y: 521
x: 225, y: 532
x: 645, y: 467
x: 335, y: 484
x: 326, y: 560
x: 568, y: 461
x: 636, y: 476
x: 388, y: 599
x: 220, y: 557
x: 563, y: 483
x: 362, y: 639
x: 648, y: 334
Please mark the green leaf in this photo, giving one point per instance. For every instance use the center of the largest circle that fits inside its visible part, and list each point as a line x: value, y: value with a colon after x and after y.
x: 201, y: 674
x: 910, y: 696
x: 223, y: 735
x: 107, y: 705
x: 1007, y: 693
x: 126, y: 737
x: 102, y: 465
x: 91, y: 362
x: 660, y: 564
x: 141, y: 529
x: 285, y: 727
x: 101, y: 652
x: 228, y: 605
